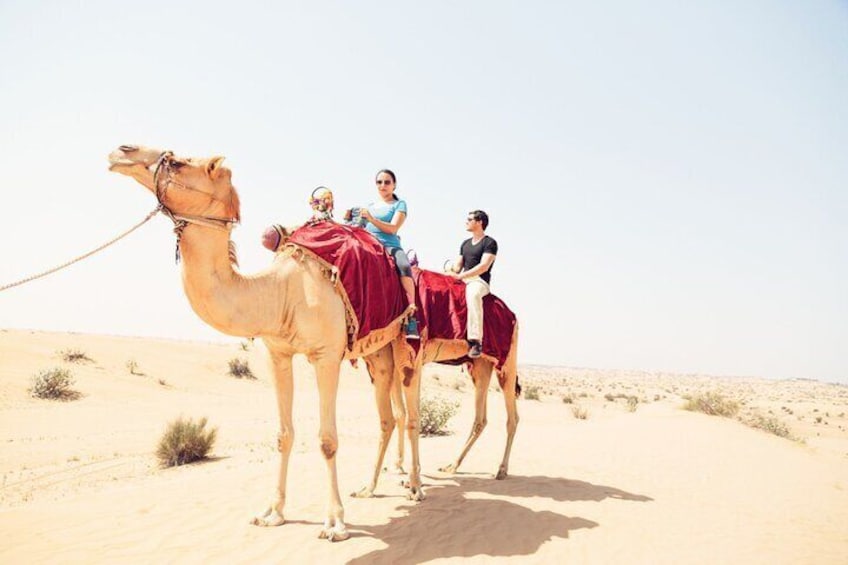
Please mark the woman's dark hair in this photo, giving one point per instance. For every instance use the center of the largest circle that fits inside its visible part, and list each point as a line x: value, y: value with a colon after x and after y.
x: 391, y: 174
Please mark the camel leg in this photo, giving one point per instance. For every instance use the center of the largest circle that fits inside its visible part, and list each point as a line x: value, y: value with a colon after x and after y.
x: 381, y: 368
x: 399, y: 411
x: 510, y: 376
x: 327, y: 373
x: 481, y: 374
x: 412, y: 395
x: 284, y: 388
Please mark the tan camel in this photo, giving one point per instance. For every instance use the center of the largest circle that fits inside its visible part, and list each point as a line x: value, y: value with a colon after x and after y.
x: 292, y: 306
x: 436, y: 350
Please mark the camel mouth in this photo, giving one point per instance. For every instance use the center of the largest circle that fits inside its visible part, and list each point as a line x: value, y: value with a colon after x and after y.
x: 131, y: 156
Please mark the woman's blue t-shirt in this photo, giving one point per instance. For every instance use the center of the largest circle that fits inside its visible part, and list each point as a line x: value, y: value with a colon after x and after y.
x: 385, y: 211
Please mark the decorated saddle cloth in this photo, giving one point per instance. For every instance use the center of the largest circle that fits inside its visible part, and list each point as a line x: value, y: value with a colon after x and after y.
x: 442, y: 314
x: 364, y: 274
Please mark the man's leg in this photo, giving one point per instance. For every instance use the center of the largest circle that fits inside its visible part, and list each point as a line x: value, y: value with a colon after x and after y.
x: 475, y: 289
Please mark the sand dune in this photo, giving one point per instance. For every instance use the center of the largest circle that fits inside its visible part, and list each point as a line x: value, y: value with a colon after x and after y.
x: 80, y: 483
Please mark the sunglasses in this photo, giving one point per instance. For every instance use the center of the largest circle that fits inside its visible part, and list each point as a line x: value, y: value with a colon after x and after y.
x: 384, y: 182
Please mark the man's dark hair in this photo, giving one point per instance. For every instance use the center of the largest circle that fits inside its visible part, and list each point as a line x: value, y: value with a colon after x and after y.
x: 480, y: 216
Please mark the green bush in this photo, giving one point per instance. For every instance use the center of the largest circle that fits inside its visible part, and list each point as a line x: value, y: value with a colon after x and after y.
x: 185, y: 441
x: 434, y: 415
x: 53, y: 384
x: 240, y: 369
x: 712, y: 403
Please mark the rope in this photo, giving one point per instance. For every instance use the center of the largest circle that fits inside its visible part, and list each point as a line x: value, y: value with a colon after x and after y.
x: 86, y: 255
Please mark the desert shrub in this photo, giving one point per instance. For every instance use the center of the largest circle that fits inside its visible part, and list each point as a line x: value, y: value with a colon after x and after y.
x: 579, y: 412
x: 240, y: 369
x: 74, y: 356
x: 712, y: 403
x: 532, y: 392
x: 769, y: 424
x: 568, y: 399
x: 185, y: 441
x: 632, y: 403
x: 132, y: 367
x: 53, y: 384
x: 435, y: 412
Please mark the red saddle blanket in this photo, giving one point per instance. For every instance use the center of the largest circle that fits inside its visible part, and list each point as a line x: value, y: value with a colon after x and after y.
x: 366, y: 271
x: 372, y: 287
x: 442, y: 310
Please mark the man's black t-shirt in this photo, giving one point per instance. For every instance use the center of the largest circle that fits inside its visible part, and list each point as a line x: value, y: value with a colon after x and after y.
x: 472, y: 254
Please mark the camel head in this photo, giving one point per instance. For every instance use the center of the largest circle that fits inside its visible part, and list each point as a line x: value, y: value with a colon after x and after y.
x: 185, y: 186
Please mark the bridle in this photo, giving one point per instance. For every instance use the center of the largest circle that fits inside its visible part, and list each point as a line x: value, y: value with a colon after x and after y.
x: 163, y: 179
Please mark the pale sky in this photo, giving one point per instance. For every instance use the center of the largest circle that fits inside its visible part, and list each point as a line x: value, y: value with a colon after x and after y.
x: 667, y: 180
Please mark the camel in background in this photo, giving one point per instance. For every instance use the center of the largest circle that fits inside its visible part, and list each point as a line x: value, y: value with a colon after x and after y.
x: 292, y: 306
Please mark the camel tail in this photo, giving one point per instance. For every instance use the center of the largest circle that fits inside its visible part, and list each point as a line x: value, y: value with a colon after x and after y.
x: 510, y: 366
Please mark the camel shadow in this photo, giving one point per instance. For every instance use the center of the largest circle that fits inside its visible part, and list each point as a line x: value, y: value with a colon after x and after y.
x: 555, y: 488
x: 453, y: 522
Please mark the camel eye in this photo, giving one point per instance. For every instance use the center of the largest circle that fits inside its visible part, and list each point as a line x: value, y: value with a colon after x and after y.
x: 128, y: 148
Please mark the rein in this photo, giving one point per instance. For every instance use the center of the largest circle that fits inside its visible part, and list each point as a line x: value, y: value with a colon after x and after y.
x: 162, y: 180
x: 85, y: 255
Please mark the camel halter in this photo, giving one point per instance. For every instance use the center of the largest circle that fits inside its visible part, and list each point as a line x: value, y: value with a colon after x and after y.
x: 163, y: 179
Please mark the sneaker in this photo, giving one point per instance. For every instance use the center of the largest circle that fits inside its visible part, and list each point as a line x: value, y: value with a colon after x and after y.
x: 411, y: 328
x: 476, y: 350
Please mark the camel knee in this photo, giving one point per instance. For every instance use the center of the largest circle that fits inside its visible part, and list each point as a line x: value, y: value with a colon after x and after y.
x: 387, y: 427
x: 329, y: 446
x: 285, y: 440
x: 479, y: 426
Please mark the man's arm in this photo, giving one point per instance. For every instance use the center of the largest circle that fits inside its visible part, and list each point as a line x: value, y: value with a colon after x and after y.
x: 456, y: 267
x: 485, y: 265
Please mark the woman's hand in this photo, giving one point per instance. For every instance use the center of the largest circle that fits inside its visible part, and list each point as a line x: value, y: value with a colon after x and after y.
x: 365, y: 214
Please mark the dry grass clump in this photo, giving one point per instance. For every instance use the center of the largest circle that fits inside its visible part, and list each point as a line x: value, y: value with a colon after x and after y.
x: 53, y: 384
x: 712, y: 403
x: 132, y: 367
x: 240, y: 369
x: 568, y: 399
x: 632, y: 403
x: 185, y: 441
x: 532, y: 392
x: 579, y: 412
x: 435, y: 411
x: 74, y: 356
x: 769, y: 424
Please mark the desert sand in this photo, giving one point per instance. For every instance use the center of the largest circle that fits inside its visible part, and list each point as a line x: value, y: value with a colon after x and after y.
x: 639, y: 480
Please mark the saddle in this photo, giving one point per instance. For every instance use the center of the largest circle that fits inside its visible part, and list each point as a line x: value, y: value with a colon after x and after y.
x: 366, y: 278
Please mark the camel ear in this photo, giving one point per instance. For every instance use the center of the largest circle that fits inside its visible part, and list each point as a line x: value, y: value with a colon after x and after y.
x: 213, y: 166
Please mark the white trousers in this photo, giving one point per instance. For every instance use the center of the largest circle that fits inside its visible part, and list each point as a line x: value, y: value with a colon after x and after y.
x: 475, y: 289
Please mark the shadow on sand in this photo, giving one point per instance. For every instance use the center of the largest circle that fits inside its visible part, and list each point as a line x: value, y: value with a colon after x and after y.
x: 497, y: 528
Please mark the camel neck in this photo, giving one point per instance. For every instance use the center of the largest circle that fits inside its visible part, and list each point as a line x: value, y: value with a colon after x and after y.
x: 220, y: 295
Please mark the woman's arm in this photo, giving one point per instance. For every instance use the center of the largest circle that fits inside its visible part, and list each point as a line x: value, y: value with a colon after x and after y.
x: 387, y: 227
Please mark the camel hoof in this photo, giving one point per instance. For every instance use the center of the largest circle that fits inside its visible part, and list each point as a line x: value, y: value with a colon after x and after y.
x: 449, y: 469
x: 415, y: 494
x: 269, y: 518
x: 334, y: 534
x: 501, y: 475
x: 364, y: 492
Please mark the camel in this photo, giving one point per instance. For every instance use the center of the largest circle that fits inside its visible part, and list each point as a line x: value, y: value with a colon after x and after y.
x: 292, y: 306
x: 442, y: 350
